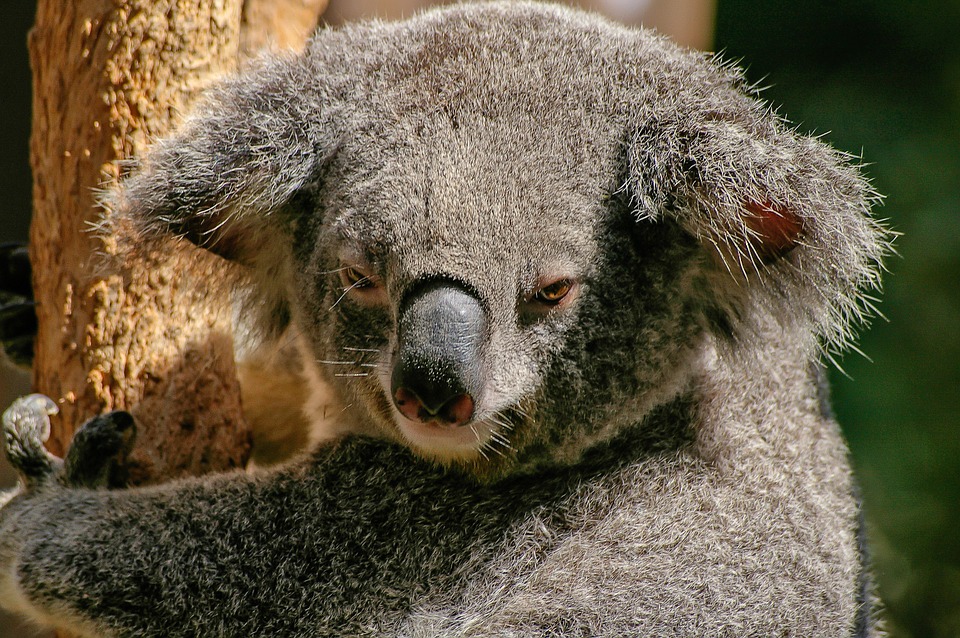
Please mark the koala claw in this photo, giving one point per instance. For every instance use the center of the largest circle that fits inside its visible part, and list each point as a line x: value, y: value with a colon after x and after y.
x: 98, y: 451
x: 26, y: 425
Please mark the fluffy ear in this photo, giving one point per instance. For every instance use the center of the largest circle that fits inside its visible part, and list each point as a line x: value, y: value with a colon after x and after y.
x: 250, y: 145
x: 785, y: 218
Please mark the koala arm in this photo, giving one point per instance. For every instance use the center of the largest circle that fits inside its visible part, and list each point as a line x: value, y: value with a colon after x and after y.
x: 137, y: 562
x: 189, y: 558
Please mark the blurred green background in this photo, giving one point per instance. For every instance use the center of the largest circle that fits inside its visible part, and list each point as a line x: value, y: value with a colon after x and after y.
x: 880, y: 80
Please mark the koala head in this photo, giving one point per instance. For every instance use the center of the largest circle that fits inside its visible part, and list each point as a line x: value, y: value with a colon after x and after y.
x: 505, y: 231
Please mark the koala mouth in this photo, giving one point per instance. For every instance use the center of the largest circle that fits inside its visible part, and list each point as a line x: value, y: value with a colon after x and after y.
x: 491, y: 437
x: 446, y: 441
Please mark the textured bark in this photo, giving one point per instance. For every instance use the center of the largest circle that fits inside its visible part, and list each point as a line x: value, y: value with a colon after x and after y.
x: 152, y: 336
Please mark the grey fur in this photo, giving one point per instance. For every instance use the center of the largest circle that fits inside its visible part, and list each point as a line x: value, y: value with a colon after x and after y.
x: 652, y: 456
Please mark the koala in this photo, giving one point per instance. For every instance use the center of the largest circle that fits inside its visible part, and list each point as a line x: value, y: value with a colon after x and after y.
x: 561, y: 292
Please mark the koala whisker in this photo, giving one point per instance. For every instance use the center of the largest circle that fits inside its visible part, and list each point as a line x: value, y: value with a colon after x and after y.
x: 502, y: 421
x: 497, y: 437
x: 352, y: 374
x: 346, y: 291
x: 326, y: 411
x: 491, y: 445
x: 487, y: 447
x: 481, y: 448
x: 496, y: 441
x: 521, y: 412
x: 374, y: 350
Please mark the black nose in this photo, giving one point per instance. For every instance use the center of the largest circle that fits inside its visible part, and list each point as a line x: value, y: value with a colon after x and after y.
x: 438, y: 372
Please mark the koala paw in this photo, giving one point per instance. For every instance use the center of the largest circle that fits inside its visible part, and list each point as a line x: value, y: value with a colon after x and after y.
x: 26, y: 425
x: 97, y: 455
x: 18, y: 319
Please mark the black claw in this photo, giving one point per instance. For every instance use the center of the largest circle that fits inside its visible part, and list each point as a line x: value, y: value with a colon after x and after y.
x: 15, y: 270
x: 17, y: 320
x: 19, y: 351
x: 97, y: 455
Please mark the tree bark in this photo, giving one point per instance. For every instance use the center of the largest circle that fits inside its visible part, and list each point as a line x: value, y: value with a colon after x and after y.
x: 152, y: 335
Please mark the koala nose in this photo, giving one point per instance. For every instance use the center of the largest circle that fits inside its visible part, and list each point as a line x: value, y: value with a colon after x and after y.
x: 437, y: 374
x: 454, y: 411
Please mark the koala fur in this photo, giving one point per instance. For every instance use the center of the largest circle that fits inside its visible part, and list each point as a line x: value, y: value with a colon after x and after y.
x: 560, y: 289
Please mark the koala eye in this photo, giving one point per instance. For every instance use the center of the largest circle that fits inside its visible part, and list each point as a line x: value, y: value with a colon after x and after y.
x: 363, y: 285
x: 353, y: 277
x: 554, y: 293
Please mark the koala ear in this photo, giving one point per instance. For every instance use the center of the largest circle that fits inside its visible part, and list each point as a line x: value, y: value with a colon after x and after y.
x: 784, y: 218
x: 250, y: 145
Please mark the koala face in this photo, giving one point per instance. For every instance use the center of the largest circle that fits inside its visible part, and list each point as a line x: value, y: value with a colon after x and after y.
x: 476, y: 300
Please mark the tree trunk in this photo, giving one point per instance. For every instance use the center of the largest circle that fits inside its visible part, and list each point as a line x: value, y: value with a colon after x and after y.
x: 151, y: 336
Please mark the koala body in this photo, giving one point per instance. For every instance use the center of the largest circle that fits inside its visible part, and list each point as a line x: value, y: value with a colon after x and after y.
x: 560, y: 290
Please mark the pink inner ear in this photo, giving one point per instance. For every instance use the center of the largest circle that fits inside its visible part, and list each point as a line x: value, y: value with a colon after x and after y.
x: 776, y: 229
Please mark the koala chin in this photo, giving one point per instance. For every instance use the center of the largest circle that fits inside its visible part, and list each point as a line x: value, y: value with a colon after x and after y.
x: 545, y: 299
